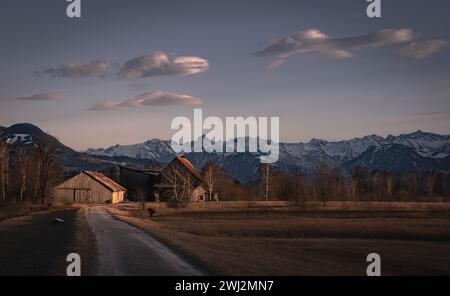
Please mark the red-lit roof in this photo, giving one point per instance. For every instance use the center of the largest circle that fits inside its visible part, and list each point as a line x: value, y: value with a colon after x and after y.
x: 99, y: 177
x: 189, y: 166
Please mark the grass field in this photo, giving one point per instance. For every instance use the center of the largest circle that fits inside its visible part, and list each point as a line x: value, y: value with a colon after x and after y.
x: 272, y: 239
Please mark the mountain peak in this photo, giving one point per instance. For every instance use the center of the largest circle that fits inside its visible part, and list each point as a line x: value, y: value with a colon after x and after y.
x: 23, y: 128
x: 315, y: 141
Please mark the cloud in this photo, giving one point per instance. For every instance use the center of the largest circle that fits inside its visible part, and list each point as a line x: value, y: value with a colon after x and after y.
x: 162, y: 64
x: 50, y: 96
x: 153, y: 98
x: 275, y: 64
x: 90, y: 68
x: 156, y: 64
x: 432, y: 115
x: 421, y: 50
x: 315, y: 41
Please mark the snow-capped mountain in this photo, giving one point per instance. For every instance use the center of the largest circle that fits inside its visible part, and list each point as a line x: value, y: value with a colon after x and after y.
x: 415, y: 151
x: 395, y: 157
x: 426, y: 144
x: 152, y: 149
x: 418, y: 150
x: 25, y: 134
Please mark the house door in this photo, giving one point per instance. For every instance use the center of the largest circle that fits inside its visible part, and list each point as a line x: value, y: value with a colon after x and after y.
x: 81, y: 196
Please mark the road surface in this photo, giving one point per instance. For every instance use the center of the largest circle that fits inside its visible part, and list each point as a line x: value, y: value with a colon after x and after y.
x: 34, y: 245
x: 126, y: 250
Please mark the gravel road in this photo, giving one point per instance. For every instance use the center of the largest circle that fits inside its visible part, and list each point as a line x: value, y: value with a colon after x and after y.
x: 127, y: 250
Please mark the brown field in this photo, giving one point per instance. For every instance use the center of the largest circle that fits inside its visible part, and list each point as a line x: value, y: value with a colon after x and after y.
x: 275, y: 239
x: 21, y: 209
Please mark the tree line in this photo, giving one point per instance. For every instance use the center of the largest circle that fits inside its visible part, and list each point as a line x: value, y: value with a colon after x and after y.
x: 29, y: 173
x: 325, y: 183
x: 360, y: 184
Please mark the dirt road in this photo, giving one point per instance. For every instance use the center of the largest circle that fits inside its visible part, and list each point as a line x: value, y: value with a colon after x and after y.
x: 127, y: 250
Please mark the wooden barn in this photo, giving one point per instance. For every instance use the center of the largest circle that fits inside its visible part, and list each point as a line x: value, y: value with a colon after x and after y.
x: 89, y: 187
x: 185, y: 170
x: 139, y: 182
x: 151, y: 184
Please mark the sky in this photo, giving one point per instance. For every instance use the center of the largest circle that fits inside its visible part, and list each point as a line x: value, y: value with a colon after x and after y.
x: 125, y: 69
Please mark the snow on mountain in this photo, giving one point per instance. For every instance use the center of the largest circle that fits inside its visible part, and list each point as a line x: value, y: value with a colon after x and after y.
x: 338, y: 151
x: 153, y: 149
x: 418, y: 150
x: 426, y: 144
x: 24, y: 139
x: 24, y: 135
x: 395, y: 157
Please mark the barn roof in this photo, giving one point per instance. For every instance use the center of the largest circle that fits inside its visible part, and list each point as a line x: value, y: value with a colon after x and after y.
x: 189, y: 166
x: 143, y: 171
x: 105, y: 181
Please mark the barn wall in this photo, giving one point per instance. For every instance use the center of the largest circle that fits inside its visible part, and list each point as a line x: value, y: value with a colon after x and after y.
x: 121, y: 196
x: 137, y: 183
x: 118, y: 196
x: 84, y: 189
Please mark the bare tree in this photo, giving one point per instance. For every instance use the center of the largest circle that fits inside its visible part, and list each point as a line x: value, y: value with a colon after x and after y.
x: 350, y: 186
x: 188, y: 185
x: 266, y: 176
x: 361, y: 175
x: 289, y: 186
x: 142, y: 194
x: 47, y: 153
x: 211, y: 173
x: 322, y: 181
x: 389, y: 176
x: 431, y: 181
x: 413, y: 183
x: 23, y: 160
x: 299, y: 187
x: 4, y: 164
x: 174, y: 184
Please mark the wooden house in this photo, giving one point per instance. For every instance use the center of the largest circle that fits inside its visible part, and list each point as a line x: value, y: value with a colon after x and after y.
x: 152, y: 183
x: 187, y: 172
x: 89, y: 187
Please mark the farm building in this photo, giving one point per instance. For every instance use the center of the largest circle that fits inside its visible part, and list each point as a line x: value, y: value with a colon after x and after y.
x: 155, y: 184
x: 139, y: 182
x: 89, y: 187
x: 186, y: 172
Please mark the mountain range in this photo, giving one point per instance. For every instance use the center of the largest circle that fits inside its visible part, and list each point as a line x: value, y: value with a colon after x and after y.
x: 414, y: 151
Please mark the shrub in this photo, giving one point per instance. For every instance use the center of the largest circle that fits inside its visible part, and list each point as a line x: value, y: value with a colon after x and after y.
x: 151, y: 211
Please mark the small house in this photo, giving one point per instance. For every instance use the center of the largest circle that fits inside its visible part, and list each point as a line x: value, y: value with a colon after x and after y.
x: 89, y: 187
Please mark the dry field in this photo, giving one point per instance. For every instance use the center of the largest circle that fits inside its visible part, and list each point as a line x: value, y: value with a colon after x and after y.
x: 22, y: 209
x: 274, y: 239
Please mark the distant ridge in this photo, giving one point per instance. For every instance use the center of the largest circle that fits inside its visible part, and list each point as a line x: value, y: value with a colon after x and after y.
x: 414, y: 151
x: 24, y: 134
x: 419, y: 150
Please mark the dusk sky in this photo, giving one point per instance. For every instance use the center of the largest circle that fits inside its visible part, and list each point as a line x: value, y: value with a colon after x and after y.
x: 125, y: 69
